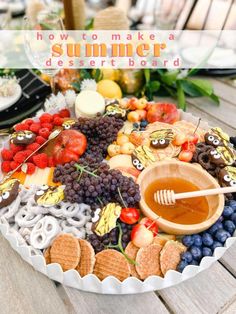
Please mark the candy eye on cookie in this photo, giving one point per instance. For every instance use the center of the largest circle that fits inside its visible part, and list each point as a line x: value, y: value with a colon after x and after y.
x: 213, y: 140
x: 8, y: 192
x: 23, y: 138
x: 137, y: 164
x: 227, y: 176
x: 68, y: 124
x: 49, y: 195
x: 142, y: 157
x: 161, y: 138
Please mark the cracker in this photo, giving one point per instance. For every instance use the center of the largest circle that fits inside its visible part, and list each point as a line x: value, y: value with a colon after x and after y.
x: 65, y: 251
x: 111, y: 263
x: 47, y: 255
x: 131, y: 250
x: 87, y: 258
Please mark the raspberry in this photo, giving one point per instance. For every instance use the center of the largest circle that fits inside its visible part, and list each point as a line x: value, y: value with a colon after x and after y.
x: 41, y: 160
x: 30, y: 168
x: 50, y: 162
x: 22, y: 155
x: 46, y: 118
x: 56, y: 115
x: 33, y: 146
x: 44, y: 132
x: 35, y: 127
x: 64, y: 113
x: 7, y: 154
x: 14, y: 165
x: 16, y: 148
x: 47, y: 125
x: 29, y: 122
x: 40, y: 140
x: 21, y: 127
x: 58, y: 121
x: 6, y: 166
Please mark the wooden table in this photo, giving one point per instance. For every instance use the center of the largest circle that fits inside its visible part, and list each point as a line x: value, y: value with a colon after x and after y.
x: 23, y: 290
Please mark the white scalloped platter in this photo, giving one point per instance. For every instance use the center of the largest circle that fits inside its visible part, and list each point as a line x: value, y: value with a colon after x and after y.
x: 111, y: 285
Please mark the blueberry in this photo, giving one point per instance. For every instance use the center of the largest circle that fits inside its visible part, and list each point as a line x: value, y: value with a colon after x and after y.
x: 216, y: 244
x: 212, y: 230
x: 229, y: 226
x: 136, y: 125
x: 206, y: 251
x: 187, y: 257
x: 228, y: 211
x: 181, y: 266
x: 233, y: 218
x: 144, y: 123
x: 207, y: 239
x: 222, y: 235
x: 194, y: 262
x: 232, y: 204
x: 197, y: 240
x: 196, y: 252
x: 187, y: 240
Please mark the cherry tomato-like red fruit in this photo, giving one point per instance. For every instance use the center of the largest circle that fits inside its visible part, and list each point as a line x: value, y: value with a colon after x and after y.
x: 189, y: 146
x: 150, y: 225
x: 193, y: 138
x: 186, y: 155
x: 129, y: 215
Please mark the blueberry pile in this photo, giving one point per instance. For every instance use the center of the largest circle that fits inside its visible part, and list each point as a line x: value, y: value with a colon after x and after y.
x: 204, y: 244
x: 140, y: 126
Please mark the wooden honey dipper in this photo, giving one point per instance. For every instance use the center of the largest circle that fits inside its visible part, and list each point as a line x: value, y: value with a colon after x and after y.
x: 168, y: 197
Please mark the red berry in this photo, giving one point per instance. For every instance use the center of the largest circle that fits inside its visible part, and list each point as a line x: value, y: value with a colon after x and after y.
x: 29, y: 122
x: 16, y: 148
x: 64, y: 113
x: 19, y: 157
x: 50, y: 162
x: 56, y: 115
x: 35, y: 127
x: 33, y: 146
x: 47, y: 125
x: 41, y: 160
x: 46, y: 118
x: 7, y: 154
x: 40, y: 140
x: 14, y: 165
x: 6, y: 166
x: 30, y: 168
x: 21, y: 127
x: 58, y: 121
x: 186, y: 155
x: 44, y: 132
x: 189, y: 146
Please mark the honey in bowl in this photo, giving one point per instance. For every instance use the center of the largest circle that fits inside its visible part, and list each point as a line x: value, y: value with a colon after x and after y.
x: 186, y: 211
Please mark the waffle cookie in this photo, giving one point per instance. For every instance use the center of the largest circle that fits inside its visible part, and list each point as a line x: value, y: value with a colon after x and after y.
x: 131, y: 250
x: 111, y: 263
x: 148, y: 261
x: 87, y: 259
x: 171, y: 255
x: 65, y: 250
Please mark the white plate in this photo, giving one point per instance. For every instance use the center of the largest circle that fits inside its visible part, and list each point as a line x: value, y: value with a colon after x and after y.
x: 6, y: 102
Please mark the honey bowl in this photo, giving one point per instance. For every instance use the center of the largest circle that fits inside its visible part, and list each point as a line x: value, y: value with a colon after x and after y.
x: 192, y: 215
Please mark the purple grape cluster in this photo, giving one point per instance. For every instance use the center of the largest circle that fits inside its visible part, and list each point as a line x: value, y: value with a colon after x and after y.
x: 204, y: 244
x: 100, y: 131
x: 100, y: 243
x: 95, y: 184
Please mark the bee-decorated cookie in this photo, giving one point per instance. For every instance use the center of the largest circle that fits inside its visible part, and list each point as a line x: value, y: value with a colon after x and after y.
x: 8, y: 192
x: 216, y: 137
x: 68, y: 124
x: 23, y: 138
x: 161, y: 138
x: 222, y: 156
x: 113, y: 109
x: 47, y: 196
x: 142, y: 157
x: 107, y: 219
x: 227, y: 176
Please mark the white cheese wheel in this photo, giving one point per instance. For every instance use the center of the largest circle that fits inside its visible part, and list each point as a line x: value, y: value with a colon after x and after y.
x: 88, y: 103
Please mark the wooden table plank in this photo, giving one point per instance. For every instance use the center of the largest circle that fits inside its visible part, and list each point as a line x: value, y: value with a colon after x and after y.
x: 229, y: 260
x: 208, y: 292
x: 89, y: 303
x: 22, y: 289
x: 224, y: 90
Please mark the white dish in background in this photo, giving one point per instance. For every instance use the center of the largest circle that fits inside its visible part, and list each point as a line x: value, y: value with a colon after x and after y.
x: 6, y: 102
x: 111, y: 285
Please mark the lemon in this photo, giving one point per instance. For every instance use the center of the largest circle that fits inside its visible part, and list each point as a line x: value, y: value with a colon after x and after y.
x: 109, y: 89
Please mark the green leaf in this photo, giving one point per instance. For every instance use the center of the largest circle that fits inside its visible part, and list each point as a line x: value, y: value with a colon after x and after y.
x: 97, y: 75
x: 76, y: 86
x: 154, y: 86
x: 181, y: 96
x: 203, y: 86
x: 170, y: 77
x: 147, y: 75
x: 215, y: 98
x: 190, y: 89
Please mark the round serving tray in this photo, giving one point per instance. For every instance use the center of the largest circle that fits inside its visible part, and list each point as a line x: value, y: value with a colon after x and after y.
x: 111, y: 285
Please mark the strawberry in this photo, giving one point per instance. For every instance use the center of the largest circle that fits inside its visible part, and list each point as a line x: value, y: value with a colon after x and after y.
x: 6, y: 166
x: 47, y: 125
x: 6, y: 154
x: 14, y: 165
x: 33, y: 146
x: 29, y: 122
x: 35, y: 127
x: 41, y: 160
x: 40, y: 140
x: 21, y: 127
x: 44, y: 132
x: 50, y: 162
x: 64, y: 113
x: 58, y: 121
x: 16, y: 148
x: 30, y: 168
x: 46, y: 118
